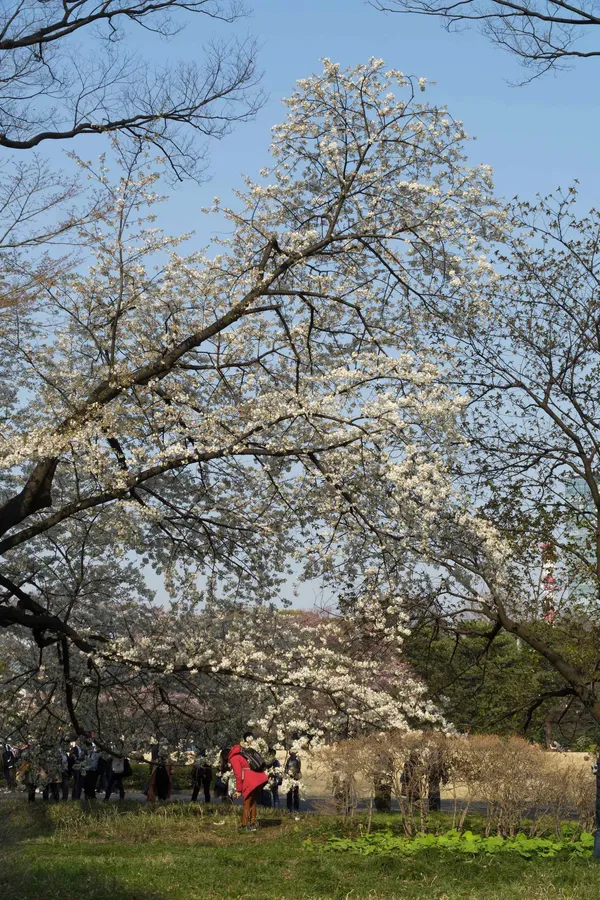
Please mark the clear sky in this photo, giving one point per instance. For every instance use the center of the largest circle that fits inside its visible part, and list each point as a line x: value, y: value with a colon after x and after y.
x: 536, y: 137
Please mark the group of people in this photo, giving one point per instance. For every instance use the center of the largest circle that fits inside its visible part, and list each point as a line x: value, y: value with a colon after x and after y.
x: 71, y: 767
x: 79, y: 768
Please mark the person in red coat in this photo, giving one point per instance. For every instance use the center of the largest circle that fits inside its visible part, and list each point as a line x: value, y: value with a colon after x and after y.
x: 248, y: 782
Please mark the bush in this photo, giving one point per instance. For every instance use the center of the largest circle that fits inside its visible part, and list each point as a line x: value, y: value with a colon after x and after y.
x: 523, y: 786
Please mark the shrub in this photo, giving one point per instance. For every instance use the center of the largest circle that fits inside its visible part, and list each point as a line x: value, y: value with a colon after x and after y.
x: 523, y: 786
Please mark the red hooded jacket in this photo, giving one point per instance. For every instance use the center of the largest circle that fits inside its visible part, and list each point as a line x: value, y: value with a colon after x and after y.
x: 246, y: 779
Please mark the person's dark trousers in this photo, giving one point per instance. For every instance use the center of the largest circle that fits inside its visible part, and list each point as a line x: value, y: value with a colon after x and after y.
x: 435, y: 802
x: 205, y: 784
x: 115, y: 781
x: 77, y: 785
x: 31, y: 793
x: 89, y: 785
x: 162, y: 784
x: 275, y: 795
x: 9, y: 774
x: 104, y: 773
x: 53, y: 789
x: 293, y: 798
x: 64, y: 786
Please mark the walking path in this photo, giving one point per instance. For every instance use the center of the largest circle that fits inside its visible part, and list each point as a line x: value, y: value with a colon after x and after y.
x: 316, y: 804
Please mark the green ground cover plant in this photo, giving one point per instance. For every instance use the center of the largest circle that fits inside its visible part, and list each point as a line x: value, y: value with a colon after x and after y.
x: 182, y: 852
x: 454, y: 841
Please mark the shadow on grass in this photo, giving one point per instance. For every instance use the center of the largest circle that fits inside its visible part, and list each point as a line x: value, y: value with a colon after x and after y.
x: 34, y: 869
x: 61, y: 879
x: 21, y: 821
x: 269, y: 823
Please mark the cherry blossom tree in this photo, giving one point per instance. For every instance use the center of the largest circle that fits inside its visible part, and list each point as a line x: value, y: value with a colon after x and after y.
x: 202, y: 676
x: 221, y: 417
x: 531, y: 366
x: 516, y: 540
x: 517, y: 532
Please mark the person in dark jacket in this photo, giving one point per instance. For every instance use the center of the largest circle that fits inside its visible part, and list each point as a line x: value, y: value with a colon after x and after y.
x: 64, y: 768
x: 221, y: 781
x: 202, y: 774
x: 436, y: 776
x: 293, y: 770
x: 248, y: 783
x: 119, y: 769
x: 8, y: 765
x: 90, y: 768
x: 104, y: 771
x: 160, y: 784
x: 75, y: 769
x: 275, y: 778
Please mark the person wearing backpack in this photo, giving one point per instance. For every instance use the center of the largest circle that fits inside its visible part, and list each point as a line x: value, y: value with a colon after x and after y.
x: 120, y: 769
x: 250, y: 777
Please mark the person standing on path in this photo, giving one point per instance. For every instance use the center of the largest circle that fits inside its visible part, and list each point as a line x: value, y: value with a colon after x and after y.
x: 275, y: 778
x: 202, y: 774
x: 8, y: 765
x: 76, y: 756
x: 160, y: 785
x: 249, y: 778
x: 222, y: 779
x: 52, y: 773
x: 119, y: 770
x: 90, y: 768
x: 63, y: 753
x: 29, y: 770
x: 293, y: 770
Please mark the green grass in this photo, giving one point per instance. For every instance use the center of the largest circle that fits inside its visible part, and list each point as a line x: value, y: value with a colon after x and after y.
x: 178, y: 852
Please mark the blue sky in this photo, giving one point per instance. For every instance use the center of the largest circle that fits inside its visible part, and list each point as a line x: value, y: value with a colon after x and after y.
x: 536, y: 137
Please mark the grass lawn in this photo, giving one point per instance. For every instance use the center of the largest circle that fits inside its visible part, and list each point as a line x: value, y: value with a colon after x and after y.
x: 177, y: 852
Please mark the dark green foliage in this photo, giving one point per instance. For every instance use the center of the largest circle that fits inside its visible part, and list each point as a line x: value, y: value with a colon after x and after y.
x: 495, y: 687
